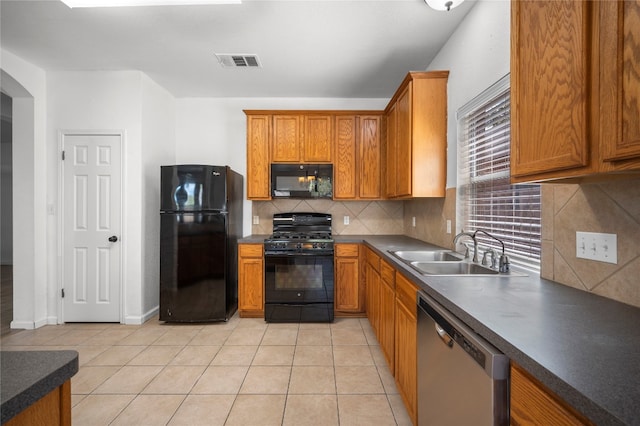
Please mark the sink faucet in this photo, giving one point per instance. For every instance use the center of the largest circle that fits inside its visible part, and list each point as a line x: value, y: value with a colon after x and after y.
x: 504, y: 260
x: 475, y: 244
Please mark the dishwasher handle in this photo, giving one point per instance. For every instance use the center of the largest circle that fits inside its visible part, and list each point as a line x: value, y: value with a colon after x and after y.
x: 448, y: 340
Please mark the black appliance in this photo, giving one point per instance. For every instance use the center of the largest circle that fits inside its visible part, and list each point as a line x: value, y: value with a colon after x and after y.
x: 299, y: 282
x: 301, y: 180
x: 200, y: 223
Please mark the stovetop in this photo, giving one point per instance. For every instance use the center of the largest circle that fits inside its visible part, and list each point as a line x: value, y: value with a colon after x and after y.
x: 305, y: 233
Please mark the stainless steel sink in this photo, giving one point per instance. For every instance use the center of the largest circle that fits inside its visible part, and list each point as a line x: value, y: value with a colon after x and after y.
x: 452, y: 268
x: 428, y: 255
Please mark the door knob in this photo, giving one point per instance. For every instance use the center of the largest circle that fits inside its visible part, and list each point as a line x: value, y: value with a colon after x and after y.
x: 113, y: 239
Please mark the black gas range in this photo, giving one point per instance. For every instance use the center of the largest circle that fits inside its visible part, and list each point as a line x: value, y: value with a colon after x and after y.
x: 299, y: 280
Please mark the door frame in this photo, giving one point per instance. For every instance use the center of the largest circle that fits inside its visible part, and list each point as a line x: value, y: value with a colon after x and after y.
x: 60, y: 206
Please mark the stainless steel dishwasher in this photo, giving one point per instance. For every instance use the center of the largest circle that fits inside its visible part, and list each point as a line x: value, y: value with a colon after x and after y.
x: 462, y: 379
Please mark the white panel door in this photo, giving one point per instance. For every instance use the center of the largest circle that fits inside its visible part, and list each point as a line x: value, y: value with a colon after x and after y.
x: 91, y: 227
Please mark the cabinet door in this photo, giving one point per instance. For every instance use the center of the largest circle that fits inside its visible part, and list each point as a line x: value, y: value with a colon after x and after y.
x: 347, y: 276
x: 531, y: 404
x: 406, y: 357
x: 372, y: 278
x: 404, y: 143
x: 620, y: 80
x: 387, y: 323
x: 250, y: 280
x: 392, y: 142
x: 318, y: 138
x: 258, y: 131
x: 550, y: 86
x: 369, y: 164
x: 286, y: 139
x: 344, y: 159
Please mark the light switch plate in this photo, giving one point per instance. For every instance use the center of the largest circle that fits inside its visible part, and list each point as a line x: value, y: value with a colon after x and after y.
x: 413, y: 221
x: 256, y: 220
x: 597, y: 246
x: 448, y: 226
x: 346, y: 220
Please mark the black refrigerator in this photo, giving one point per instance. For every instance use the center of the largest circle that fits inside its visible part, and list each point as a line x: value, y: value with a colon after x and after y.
x: 200, y: 223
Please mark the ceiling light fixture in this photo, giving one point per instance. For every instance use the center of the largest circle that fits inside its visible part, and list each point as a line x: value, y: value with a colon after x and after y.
x: 443, y: 4
x: 123, y: 3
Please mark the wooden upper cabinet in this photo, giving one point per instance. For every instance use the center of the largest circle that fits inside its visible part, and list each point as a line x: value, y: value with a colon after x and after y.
x: 575, y: 90
x: 416, y: 154
x: 357, y: 157
x: 550, y: 90
x: 318, y: 138
x: 345, y: 154
x: 258, y: 134
x: 286, y: 139
x: 404, y: 143
x: 370, y: 150
x: 620, y: 72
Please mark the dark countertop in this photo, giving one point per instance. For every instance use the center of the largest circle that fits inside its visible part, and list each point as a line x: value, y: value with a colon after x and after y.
x: 584, y: 347
x: 27, y: 376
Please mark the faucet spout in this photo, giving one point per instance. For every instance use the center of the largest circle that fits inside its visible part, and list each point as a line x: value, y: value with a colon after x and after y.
x: 475, y: 244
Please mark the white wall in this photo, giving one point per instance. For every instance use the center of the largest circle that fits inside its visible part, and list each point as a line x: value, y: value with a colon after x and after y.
x: 158, y: 148
x: 476, y: 55
x: 213, y: 130
x: 26, y: 84
x: 125, y: 101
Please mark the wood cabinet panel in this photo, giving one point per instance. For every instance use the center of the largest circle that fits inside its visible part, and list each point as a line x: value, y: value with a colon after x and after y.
x: 318, y: 138
x: 349, y: 296
x: 390, y: 154
x: 258, y: 172
x: 344, y: 165
x: 406, y: 366
x: 387, y: 296
x: 575, y: 90
x: 286, y: 139
x: 53, y: 409
x: 370, y: 157
x: 620, y: 72
x: 250, y: 280
x: 404, y: 143
x: 549, y: 117
x: 416, y: 152
x: 532, y: 404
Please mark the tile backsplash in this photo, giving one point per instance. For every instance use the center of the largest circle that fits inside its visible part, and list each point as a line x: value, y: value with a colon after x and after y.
x: 365, y: 217
x: 612, y: 208
x: 431, y: 219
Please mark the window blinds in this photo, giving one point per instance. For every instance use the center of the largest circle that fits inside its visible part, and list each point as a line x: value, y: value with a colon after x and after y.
x: 486, y: 199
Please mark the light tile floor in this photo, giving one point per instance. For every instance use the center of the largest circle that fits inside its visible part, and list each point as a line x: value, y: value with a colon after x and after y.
x: 242, y: 372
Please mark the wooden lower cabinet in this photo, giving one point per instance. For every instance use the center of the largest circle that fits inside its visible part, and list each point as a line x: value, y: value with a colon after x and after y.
x: 349, y: 299
x: 387, y: 301
x: 250, y: 281
x: 53, y: 409
x: 406, y: 327
x: 533, y: 404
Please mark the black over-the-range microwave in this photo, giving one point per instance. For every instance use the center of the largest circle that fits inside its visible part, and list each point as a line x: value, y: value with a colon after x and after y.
x: 301, y: 180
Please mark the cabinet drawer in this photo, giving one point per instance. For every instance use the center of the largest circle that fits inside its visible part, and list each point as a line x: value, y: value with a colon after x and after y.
x: 346, y: 250
x: 406, y: 293
x: 250, y: 250
x: 388, y: 274
x: 373, y: 259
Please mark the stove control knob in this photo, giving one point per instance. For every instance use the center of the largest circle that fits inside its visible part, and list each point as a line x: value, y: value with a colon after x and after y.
x: 299, y: 245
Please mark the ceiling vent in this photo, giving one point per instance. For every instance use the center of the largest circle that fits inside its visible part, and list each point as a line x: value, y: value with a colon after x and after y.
x: 238, y: 60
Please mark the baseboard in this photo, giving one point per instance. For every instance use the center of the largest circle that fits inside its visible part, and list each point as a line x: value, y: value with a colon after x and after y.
x: 138, y: 320
x: 23, y: 325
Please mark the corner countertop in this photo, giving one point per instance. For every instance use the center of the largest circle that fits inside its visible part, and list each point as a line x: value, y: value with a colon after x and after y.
x: 584, y: 347
x: 27, y: 376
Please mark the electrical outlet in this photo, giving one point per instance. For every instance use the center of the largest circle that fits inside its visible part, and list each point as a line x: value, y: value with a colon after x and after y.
x: 448, y: 226
x: 346, y: 220
x: 413, y: 221
x: 596, y: 246
x: 256, y: 220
